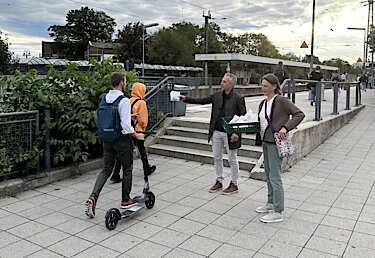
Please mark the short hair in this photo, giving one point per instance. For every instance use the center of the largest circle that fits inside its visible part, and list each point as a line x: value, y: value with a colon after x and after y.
x: 273, y: 80
x: 117, y: 78
x: 232, y: 78
x: 317, y: 68
x: 280, y: 63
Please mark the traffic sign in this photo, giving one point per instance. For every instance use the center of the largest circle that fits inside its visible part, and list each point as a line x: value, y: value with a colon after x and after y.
x: 304, y: 45
x: 359, y: 60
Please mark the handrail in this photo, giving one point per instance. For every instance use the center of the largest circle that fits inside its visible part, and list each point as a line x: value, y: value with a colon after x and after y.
x: 292, y: 91
x: 166, y: 83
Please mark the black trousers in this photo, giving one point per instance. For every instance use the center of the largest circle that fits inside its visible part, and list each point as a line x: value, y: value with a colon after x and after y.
x: 122, y: 152
x: 142, y: 150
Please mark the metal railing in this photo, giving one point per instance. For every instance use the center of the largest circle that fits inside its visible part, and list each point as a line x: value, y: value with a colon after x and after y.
x: 17, y: 134
x: 291, y: 93
x: 158, y: 103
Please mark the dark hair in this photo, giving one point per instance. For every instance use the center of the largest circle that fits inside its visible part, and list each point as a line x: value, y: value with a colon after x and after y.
x: 273, y: 80
x: 117, y: 78
x: 317, y: 67
x: 280, y: 63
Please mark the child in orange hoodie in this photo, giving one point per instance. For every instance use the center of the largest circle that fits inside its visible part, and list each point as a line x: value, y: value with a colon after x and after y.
x: 138, y: 107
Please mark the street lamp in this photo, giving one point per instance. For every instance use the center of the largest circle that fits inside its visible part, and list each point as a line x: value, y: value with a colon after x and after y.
x: 143, y: 44
x: 364, y: 45
x: 312, y: 39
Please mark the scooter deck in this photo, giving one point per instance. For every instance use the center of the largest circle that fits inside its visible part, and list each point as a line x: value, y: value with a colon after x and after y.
x: 131, y: 210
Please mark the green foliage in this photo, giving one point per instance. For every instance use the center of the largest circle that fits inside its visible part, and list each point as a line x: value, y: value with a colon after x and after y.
x: 73, y: 98
x: 5, y: 55
x: 175, y: 45
x: 129, y: 42
x: 83, y: 25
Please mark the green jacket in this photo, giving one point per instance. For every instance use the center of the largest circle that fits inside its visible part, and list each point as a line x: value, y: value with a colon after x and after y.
x: 234, y: 105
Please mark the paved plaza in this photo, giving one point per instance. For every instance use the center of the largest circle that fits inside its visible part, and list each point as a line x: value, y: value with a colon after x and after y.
x: 329, y: 199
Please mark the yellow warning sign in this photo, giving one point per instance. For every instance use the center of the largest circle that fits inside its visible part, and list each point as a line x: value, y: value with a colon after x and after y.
x: 304, y: 45
x: 359, y: 60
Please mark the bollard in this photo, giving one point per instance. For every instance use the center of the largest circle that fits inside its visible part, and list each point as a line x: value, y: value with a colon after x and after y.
x: 294, y: 91
x: 47, y: 148
x: 335, y: 97
x: 289, y: 82
x: 318, y: 101
x: 347, y: 96
x: 357, y: 92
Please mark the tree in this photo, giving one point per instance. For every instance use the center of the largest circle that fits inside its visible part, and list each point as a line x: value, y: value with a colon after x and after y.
x: 129, y: 42
x: 5, y: 55
x: 83, y: 25
x: 175, y: 45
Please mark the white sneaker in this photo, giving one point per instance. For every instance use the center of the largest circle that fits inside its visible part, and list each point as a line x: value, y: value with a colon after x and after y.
x: 272, y: 217
x: 265, y: 208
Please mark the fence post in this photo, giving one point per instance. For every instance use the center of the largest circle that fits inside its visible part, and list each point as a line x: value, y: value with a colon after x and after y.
x: 335, y: 95
x: 36, y: 133
x: 294, y: 91
x: 47, y: 148
x: 357, y: 92
x: 347, y: 96
x: 289, y: 83
x: 318, y: 101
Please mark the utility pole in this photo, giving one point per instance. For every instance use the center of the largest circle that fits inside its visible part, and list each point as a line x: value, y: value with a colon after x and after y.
x: 312, y: 39
x: 206, y: 18
x: 372, y: 41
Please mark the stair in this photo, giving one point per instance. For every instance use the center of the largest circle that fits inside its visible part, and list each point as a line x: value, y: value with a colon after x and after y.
x: 186, y: 138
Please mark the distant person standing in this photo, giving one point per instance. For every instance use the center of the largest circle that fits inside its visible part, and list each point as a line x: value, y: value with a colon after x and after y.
x: 363, y: 80
x: 281, y: 74
x: 369, y: 81
x: 336, y: 77
x: 315, y: 75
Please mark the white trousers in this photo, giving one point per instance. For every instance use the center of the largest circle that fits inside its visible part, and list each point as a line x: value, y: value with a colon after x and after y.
x: 219, y: 141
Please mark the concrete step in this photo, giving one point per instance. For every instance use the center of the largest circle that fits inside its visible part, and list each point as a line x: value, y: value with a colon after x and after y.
x: 197, y: 155
x: 202, y: 144
x: 247, y: 139
x: 198, y: 123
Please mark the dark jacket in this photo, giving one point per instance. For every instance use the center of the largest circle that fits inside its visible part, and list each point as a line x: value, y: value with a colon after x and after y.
x: 281, y: 73
x: 282, y: 108
x: 234, y: 105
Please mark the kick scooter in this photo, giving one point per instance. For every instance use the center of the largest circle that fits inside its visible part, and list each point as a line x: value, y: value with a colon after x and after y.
x: 147, y: 198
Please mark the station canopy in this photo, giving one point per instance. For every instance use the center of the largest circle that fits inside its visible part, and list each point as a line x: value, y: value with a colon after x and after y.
x: 251, y: 59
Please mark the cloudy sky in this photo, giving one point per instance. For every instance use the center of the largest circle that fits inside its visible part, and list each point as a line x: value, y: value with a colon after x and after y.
x: 287, y: 23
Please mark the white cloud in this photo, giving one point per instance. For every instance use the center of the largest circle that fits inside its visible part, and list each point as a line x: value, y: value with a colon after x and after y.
x: 287, y: 23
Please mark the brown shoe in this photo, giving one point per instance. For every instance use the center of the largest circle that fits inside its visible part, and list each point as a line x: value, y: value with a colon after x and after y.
x: 232, y: 188
x: 216, y: 187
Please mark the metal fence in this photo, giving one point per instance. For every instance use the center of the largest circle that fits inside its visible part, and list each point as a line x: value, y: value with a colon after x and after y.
x: 158, y: 103
x: 290, y: 85
x: 17, y: 135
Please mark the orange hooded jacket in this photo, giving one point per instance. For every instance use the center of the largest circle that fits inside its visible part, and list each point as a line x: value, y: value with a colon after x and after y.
x: 138, y: 91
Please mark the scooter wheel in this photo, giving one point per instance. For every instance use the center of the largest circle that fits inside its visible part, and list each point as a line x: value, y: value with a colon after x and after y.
x: 111, y: 218
x: 151, y: 200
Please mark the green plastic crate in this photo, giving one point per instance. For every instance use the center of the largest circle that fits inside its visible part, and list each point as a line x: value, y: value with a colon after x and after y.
x: 252, y: 127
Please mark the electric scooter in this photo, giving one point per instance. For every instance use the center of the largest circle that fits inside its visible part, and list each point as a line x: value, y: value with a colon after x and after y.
x: 147, y: 198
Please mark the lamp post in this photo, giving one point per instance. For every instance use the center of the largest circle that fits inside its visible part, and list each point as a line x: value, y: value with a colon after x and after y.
x: 312, y: 39
x: 364, y: 45
x: 143, y: 44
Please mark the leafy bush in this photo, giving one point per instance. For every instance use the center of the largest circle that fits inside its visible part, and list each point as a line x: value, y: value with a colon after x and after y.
x: 73, y: 98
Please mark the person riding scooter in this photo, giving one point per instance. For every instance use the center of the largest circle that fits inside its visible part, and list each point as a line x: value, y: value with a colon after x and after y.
x: 139, y: 107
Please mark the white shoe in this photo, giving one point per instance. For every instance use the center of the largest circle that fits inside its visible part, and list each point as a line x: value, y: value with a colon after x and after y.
x: 265, y: 208
x: 272, y: 217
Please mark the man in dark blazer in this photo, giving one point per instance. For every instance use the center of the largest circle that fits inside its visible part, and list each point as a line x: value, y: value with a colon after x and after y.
x: 225, y: 103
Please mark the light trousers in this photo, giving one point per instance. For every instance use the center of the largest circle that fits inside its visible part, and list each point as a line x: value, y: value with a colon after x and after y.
x: 219, y: 141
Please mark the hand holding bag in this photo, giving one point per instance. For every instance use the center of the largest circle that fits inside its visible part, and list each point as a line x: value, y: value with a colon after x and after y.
x: 284, y: 147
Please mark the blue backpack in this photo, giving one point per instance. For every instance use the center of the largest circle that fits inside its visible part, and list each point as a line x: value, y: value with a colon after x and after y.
x: 109, y: 127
